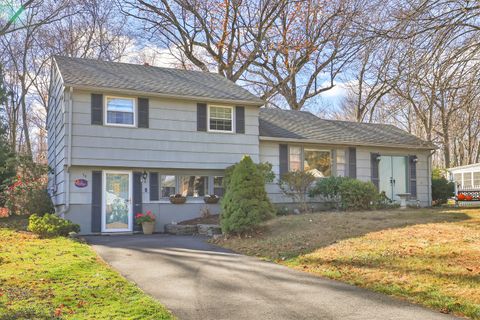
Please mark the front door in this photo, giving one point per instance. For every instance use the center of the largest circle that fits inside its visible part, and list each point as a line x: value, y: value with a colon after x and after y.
x: 393, y: 175
x: 117, y: 204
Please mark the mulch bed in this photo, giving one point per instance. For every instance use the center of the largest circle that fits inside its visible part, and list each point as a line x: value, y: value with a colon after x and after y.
x: 213, y: 219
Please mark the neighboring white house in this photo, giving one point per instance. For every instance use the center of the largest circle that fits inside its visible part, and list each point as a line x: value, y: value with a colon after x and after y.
x: 466, y: 177
x: 123, y: 137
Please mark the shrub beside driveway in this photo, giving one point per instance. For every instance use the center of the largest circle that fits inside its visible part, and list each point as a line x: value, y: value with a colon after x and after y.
x: 63, y: 279
x: 426, y: 256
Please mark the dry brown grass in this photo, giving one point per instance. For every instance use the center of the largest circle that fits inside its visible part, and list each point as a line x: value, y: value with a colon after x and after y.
x: 289, y: 236
x: 427, y: 256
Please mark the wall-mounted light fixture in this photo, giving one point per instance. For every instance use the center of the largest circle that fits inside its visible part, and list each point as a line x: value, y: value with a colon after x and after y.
x: 144, y: 176
x: 414, y: 159
x: 379, y: 157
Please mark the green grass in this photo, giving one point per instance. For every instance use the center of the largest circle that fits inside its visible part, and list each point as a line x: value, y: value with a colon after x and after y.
x: 430, y: 257
x: 63, y: 279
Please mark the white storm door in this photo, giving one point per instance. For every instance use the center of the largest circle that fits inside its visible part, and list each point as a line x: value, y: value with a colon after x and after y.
x: 117, y: 204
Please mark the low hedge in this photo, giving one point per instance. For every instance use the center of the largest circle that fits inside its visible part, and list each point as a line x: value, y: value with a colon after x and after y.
x: 50, y: 225
x: 347, y: 193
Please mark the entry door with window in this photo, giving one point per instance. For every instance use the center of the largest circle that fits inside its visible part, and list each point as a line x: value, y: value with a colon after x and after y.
x: 117, y: 204
x: 393, y: 176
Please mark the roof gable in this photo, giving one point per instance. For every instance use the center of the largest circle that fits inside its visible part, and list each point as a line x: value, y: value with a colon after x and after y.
x: 177, y: 83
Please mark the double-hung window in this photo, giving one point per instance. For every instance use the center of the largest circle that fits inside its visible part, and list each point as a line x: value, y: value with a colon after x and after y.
x: 218, y: 186
x: 295, y: 158
x: 167, y: 186
x: 120, y: 111
x: 220, y: 119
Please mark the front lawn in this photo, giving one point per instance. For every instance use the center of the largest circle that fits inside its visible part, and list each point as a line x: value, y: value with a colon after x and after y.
x: 63, y: 279
x: 426, y: 256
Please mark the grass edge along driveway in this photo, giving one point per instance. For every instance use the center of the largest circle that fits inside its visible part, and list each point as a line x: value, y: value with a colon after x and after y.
x: 63, y: 279
x: 426, y: 256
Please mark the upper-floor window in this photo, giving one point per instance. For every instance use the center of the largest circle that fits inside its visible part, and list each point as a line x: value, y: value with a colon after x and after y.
x: 220, y: 119
x: 316, y: 161
x: 120, y: 111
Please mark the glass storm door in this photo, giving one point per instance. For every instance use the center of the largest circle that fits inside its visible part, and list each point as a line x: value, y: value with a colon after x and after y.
x: 393, y: 176
x: 117, y: 209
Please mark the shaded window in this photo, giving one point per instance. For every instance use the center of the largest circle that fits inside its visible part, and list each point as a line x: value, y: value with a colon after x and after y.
x: 218, y: 186
x: 457, y: 177
x: 167, y: 186
x: 317, y: 162
x: 220, y: 119
x: 120, y: 111
x: 476, y: 179
x: 193, y: 186
x: 295, y: 158
x: 467, y: 179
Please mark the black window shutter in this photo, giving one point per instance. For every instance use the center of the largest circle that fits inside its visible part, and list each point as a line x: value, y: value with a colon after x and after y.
x: 283, y: 159
x: 143, y: 112
x: 412, y: 176
x: 137, y: 198
x: 374, y: 166
x: 96, y: 201
x: 97, y: 109
x: 240, y: 119
x: 201, y: 117
x: 352, y: 162
x: 154, y: 192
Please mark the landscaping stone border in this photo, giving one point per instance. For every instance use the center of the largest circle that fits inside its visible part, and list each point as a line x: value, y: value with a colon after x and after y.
x: 190, y: 229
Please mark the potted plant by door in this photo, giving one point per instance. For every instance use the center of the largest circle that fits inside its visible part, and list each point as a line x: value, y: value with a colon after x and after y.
x: 147, y: 221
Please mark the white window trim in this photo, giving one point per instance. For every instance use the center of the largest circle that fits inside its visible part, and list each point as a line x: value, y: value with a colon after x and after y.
x: 105, y: 116
x: 190, y: 199
x: 208, y: 119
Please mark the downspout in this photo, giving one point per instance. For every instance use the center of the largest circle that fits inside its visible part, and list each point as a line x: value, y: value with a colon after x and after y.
x: 429, y: 179
x: 69, y: 154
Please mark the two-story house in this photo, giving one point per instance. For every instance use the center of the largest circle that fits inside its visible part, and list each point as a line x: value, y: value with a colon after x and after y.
x: 122, y: 138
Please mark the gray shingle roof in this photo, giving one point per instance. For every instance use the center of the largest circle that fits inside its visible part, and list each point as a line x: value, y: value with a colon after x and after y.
x: 288, y: 124
x: 148, y: 79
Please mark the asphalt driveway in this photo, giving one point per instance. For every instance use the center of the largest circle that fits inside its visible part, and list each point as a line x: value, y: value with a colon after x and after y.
x: 196, y: 280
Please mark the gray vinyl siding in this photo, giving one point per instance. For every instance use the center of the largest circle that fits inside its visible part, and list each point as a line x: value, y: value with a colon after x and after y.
x: 80, y: 210
x: 84, y: 195
x: 269, y: 152
x: 171, y: 141
x: 423, y: 168
x: 56, y: 138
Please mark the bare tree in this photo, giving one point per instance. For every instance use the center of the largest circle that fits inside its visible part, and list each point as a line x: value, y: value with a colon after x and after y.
x: 10, y: 15
x: 79, y: 28
x: 224, y: 36
x: 309, y: 45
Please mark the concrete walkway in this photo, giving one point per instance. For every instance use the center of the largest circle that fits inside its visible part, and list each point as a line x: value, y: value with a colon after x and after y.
x: 196, y: 280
